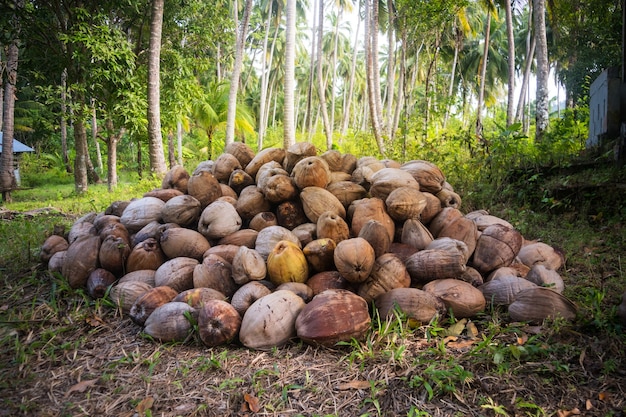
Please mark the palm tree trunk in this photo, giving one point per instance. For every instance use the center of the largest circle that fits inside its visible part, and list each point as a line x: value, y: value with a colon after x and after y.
x: 511, y: 62
x: 334, y: 70
x: 401, y: 89
x: 155, y: 140
x: 370, y: 68
x: 290, y: 51
x: 483, y: 73
x: 542, y: 112
x: 524, y: 87
x: 391, y: 71
x: 7, y: 174
x: 455, y: 60
x: 376, y: 68
x: 307, y: 123
x: 429, y: 78
x: 320, y: 78
x: 264, y: 78
x: 348, y: 103
x: 234, y: 81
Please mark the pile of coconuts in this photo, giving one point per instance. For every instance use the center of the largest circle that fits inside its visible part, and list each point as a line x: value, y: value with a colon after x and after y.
x: 282, y: 244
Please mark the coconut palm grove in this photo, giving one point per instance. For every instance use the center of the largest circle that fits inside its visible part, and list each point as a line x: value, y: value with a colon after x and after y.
x: 313, y: 208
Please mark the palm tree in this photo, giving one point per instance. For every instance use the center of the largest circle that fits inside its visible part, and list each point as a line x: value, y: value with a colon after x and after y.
x: 371, y: 59
x: 273, y: 15
x: 483, y: 72
x: 320, y: 78
x: 391, y: 71
x: 290, y: 52
x: 511, y: 60
x: 234, y: 80
x: 157, y: 157
x: 542, y: 111
x: 530, y: 54
x: 351, y: 79
x: 210, y: 112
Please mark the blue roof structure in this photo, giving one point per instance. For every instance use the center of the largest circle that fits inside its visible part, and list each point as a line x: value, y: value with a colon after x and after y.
x: 18, y: 147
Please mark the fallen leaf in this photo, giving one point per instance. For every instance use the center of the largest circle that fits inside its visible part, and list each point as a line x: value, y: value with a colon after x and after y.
x: 604, y: 396
x: 456, y: 329
x: 472, y: 330
x: 461, y: 344
x: 144, y: 405
x: 253, y: 403
x: 356, y: 384
x: 449, y: 339
x: 588, y: 405
x: 4, y: 307
x: 568, y: 413
x: 522, y: 339
x: 95, y: 321
x: 82, y: 386
x: 185, y: 408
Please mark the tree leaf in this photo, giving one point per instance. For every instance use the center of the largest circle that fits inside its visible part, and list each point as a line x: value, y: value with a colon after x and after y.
x: 82, y: 386
x: 253, y: 402
x: 144, y: 405
x: 356, y: 384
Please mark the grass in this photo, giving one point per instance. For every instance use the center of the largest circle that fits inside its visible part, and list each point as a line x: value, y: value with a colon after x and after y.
x: 70, y: 355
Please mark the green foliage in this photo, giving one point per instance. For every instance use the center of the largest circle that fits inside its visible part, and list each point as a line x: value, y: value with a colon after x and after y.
x: 441, y: 378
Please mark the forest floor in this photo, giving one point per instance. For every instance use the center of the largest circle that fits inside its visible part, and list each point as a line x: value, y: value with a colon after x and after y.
x: 64, y: 354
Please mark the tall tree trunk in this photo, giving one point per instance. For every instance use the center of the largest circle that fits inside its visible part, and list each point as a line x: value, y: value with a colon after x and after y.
x: 430, y: 75
x: 455, y: 60
x: 483, y: 74
x: 155, y: 140
x: 139, y: 159
x: 264, y: 79
x: 348, y: 102
x: 401, y: 91
x: 179, y: 141
x: 7, y: 175
x: 320, y: 78
x: 113, y: 139
x: 80, y: 163
x: 2, y: 64
x: 290, y: 55
x: 92, y: 175
x: 94, y: 134
x: 370, y: 56
x: 376, y: 67
x: 171, y: 152
x: 391, y: 70
x: 511, y: 62
x: 308, y: 115
x: 334, y: 69
x: 525, y: 80
x: 542, y: 112
x: 218, y: 62
x: 234, y: 79
x: 63, y: 122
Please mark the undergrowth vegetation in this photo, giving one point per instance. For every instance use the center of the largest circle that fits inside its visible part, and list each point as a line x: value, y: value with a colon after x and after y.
x: 489, y: 363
